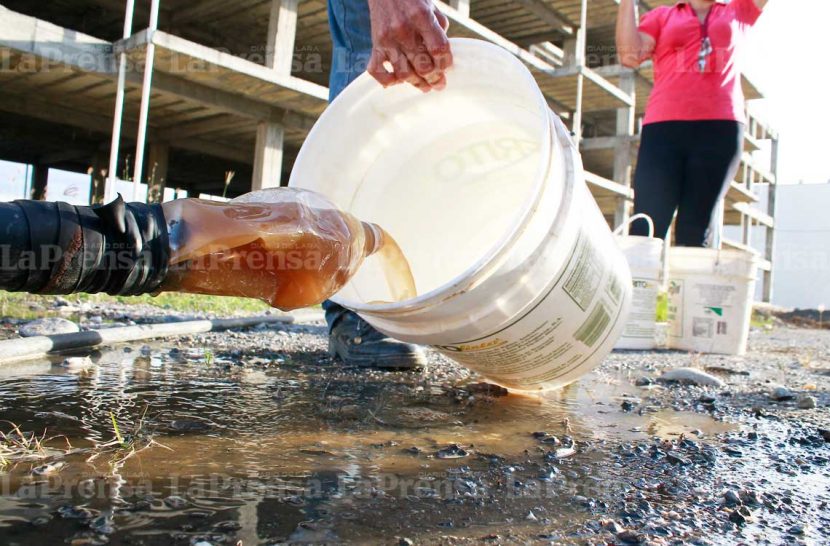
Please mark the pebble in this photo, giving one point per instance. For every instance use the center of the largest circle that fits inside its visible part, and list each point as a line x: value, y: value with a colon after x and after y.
x: 781, y: 393
x: 403, y: 541
x: 806, y: 402
x: 643, y: 381
x: 631, y: 537
x: 175, y: 502
x: 676, y: 458
x: 48, y: 326
x: 692, y: 376
x: 453, y: 451
x: 77, y: 363
x: 730, y: 498
x: 797, y: 529
x: 48, y: 468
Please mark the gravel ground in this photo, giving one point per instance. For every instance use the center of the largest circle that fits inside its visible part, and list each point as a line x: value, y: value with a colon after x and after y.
x: 620, y: 457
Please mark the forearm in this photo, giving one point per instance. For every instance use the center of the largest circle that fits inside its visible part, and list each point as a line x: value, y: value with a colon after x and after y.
x: 629, y: 41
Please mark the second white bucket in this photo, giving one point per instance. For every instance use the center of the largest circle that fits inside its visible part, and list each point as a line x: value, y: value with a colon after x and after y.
x: 710, y: 299
x: 645, y: 258
x: 518, y: 275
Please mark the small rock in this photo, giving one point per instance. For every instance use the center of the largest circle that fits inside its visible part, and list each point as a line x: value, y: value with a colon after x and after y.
x: 806, y: 402
x: 730, y: 498
x: 643, y: 381
x: 797, y: 529
x: 676, y: 458
x: 403, y: 541
x: 175, y: 502
x: 48, y: 468
x: 631, y: 537
x: 691, y: 376
x: 781, y: 393
x: 627, y: 405
x: 750, y: 497
x: 102, y: 525
x: 564, y: 452
x: 825, y: 433
x: 77, y: 363
x: 740, y: 515
x: 187, y: 425
x: 453, y: 451
x: 611, y: 526
x: 75, y: 512
x: 47, y: 327
x: 531, y: 516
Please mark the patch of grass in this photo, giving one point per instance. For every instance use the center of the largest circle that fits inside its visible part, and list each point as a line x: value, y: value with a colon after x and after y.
x: 19, y: 305
x: 762, y: 321
x: 126, y: 444
x: 16, y: 445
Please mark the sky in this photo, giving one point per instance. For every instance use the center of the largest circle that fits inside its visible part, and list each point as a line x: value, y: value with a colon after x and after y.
x: 784, y: 56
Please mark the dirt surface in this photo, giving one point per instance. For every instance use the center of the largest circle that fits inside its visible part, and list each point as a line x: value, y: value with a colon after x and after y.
x: 258, y: 436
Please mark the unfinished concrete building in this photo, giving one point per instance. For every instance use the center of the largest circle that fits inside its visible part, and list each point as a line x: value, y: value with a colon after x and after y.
x: 210, y: 86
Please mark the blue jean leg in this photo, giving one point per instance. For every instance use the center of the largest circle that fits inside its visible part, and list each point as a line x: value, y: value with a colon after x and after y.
x: 351, y: 35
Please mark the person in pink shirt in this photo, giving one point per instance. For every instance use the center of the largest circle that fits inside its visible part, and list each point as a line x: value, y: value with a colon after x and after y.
x: 692, y: 134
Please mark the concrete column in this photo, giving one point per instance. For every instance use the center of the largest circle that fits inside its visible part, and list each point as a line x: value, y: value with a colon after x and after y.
x: 463, y: 6
x: 158, y: 160
x: 40, y: 179
x: 268, y: 156
x: 769, y: 246
x: 623, y: 153
x: 282, y: 31
x: 98, y: 178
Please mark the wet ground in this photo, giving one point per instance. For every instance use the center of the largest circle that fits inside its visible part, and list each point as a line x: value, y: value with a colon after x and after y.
x: 258, y: 437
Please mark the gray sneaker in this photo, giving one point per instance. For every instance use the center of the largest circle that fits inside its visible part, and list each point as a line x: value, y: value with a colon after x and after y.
x: 356, y: 343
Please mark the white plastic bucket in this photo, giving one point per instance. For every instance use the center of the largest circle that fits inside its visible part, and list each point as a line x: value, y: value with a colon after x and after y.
x: 645, y: 258
x: 710, y: 299
x: 518, y: 275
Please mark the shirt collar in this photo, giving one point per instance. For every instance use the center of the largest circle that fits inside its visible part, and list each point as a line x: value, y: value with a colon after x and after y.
x: 724, y: 2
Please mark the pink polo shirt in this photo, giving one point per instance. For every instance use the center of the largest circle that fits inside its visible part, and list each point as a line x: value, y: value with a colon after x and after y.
x: 681, y: 91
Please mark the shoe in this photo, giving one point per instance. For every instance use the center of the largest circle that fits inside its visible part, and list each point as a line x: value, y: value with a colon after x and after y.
x: 356, y: 343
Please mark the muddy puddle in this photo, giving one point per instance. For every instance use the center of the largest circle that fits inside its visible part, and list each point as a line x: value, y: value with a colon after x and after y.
x: 177, y: 445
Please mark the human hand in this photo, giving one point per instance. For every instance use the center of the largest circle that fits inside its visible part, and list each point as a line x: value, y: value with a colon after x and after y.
x: 410, y: 37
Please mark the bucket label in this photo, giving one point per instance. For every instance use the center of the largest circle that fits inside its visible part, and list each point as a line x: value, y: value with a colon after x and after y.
x: 709, y: 316
x: 641, y: 319
x: 549, y: 341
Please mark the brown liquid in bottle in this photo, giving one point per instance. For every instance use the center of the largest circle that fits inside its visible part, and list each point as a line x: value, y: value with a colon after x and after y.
x: 287, y: 253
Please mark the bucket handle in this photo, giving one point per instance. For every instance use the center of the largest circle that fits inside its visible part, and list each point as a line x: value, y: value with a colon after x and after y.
x: 640, y: 216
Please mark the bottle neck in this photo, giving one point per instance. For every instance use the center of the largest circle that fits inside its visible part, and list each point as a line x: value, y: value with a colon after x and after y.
x: 374, y: 238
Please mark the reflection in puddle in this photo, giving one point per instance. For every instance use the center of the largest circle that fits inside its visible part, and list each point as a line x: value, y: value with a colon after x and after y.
x: 305, y: 453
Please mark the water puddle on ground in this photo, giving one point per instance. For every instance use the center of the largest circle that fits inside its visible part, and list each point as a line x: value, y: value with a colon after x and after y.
x: 158, y: 447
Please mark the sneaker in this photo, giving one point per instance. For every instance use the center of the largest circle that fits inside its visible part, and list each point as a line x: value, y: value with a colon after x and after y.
x: 356, y: 343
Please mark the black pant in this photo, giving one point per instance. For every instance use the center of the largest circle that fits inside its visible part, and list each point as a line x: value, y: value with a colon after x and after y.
x: 685, y: 166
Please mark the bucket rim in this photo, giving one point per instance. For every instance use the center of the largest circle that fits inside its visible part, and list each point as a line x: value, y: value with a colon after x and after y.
x: 365, y: 85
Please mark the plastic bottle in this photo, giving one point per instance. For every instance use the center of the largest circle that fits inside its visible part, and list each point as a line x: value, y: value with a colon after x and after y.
x: 289, y: 247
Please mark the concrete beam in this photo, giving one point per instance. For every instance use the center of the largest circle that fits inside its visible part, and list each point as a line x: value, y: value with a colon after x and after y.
x: 40, y: 181
x: 158, y: 160
x: 549, y: 15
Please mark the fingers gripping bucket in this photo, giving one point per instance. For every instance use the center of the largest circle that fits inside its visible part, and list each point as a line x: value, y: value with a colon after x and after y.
x: 710, y: 299
x: 645, y: 258
x: 517, y: 273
